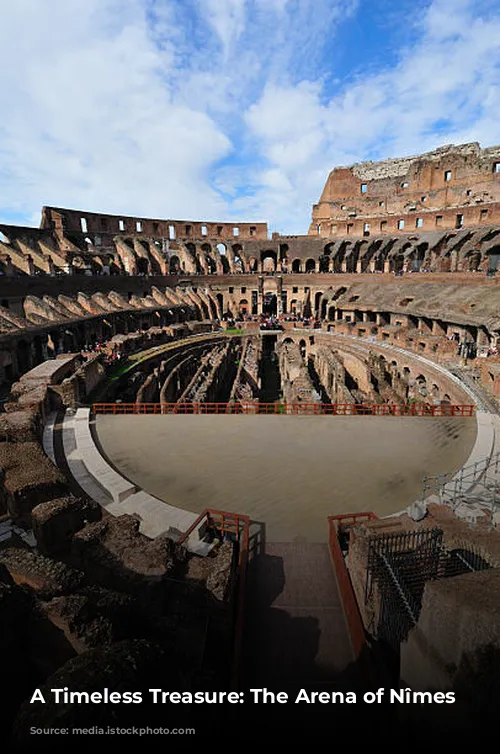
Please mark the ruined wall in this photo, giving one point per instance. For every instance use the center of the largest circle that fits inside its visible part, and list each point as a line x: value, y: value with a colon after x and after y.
x: 70, y: 221
x: 452, y: 187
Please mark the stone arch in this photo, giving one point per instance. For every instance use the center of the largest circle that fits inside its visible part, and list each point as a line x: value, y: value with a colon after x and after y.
x: 174, y: 265
x: 253, y: 264
x: 310, y: 265
x: 317, y: 302
x: 268, y: 259
x: 421, y: 384
x: 210, y: 262
x: 323, y: 263
x: 296, y: 265
x: 493, y: 257
x: 142, y: 266
x: 220, y: 301
x: 283, y: 252
x: 243, y: 306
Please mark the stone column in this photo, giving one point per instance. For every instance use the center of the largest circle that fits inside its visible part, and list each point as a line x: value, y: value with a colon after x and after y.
x: 260, y: 302
x: 279, y: 301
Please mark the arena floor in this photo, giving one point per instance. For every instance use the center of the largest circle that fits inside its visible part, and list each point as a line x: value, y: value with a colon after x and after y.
x: 289, y: 472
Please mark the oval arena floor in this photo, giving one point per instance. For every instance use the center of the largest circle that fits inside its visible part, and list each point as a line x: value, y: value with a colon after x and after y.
x: 287, y: 472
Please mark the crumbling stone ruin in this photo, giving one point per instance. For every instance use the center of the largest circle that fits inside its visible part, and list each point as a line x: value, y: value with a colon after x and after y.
x: 102, y: 590
x: 455, y: 642
x: 393, y: 286
x: 451, y: 187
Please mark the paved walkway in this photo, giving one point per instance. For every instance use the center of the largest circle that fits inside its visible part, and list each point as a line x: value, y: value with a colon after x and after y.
x: 71, y: 443
x: 295, y: 631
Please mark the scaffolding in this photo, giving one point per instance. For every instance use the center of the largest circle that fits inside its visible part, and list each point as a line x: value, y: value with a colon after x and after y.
x: 477, y: 484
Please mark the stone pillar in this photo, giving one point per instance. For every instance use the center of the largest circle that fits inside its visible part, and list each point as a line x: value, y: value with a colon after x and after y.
x: 387, y: 266
x: 279, y: 301
x: 260, y: 304
x: 358, y: 266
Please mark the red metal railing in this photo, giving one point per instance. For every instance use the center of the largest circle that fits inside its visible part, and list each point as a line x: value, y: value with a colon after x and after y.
x: 314, y: 409
x: 351, y: 609
x: 237, y: 525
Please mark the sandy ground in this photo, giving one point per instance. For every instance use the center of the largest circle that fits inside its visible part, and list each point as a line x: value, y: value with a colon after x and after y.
x: 289, y: 472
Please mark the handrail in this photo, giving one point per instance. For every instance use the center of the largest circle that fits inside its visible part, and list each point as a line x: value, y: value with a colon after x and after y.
x: 299, y: 408
x: 239, y: 525
x: 349, y: 602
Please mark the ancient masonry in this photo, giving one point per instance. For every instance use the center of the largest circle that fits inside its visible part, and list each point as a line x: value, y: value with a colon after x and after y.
x: 391, y: 298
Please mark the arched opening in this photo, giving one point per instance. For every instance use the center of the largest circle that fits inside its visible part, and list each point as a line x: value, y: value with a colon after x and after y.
x: 283, y: 252
x: 243, y: 306
x: 474, y: 261
x: 303, y: 348
x: 268, y: 259
x: 421, y: 385
x: 253, y: 264
x: 142, y: 266
x: 310, y: 265
x: 493, y: 256
x: 220, y: 301
x: 270, y: 305
x: 446, y: 398
x: 317, y: 302
x: 174, y: 265
x: 296, y: 265
x: 324, y: 263
x: 293, y: 306
x: 210, y: 263
x: 225, y: 265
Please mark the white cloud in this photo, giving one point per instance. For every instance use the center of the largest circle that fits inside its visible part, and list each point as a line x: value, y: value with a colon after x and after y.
x: 90, y: 119
x: 227, y: 17
x: 448, y: 75
x: 223, y: 109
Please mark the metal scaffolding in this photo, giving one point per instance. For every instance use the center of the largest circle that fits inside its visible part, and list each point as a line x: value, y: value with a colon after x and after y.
x: 478, y: 483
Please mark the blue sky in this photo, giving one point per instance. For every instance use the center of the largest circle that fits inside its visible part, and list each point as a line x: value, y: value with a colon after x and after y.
x: 231, y: 109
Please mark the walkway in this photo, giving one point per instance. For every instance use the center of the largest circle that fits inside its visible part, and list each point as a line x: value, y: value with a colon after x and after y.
x: 71, y: 444
x: 295, y: 630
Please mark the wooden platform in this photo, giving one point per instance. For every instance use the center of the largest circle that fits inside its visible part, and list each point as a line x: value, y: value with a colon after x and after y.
x: 295, y: 630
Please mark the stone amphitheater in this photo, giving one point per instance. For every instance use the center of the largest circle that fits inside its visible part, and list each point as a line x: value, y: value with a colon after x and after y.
x: 186, y: 403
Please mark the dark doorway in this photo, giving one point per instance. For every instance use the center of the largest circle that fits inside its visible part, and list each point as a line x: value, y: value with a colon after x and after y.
x: 269, y: 305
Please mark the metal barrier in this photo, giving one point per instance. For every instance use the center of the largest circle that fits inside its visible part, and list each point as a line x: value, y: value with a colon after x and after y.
x: 336, y: 525
x: 309, y: 409
x: 237, y: 527
x: 454, y: 488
